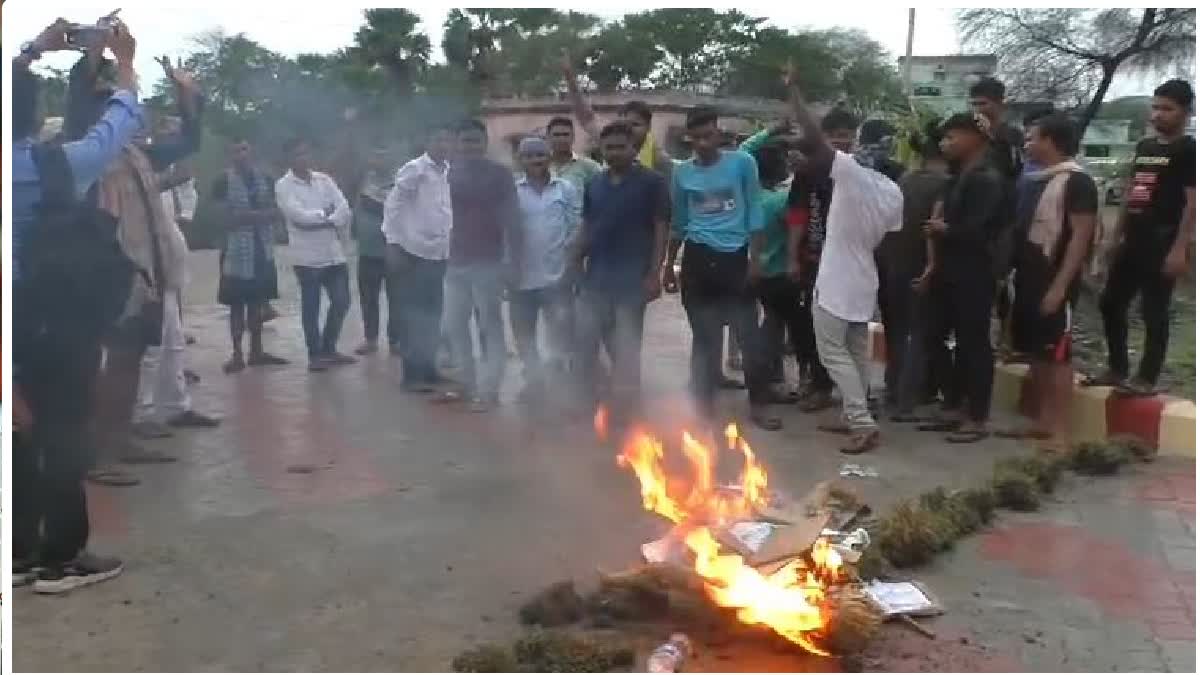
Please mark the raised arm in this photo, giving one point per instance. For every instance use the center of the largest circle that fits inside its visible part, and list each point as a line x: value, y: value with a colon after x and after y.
x: 583, y: 111
x: 342, y: 214
x: 818, y: 150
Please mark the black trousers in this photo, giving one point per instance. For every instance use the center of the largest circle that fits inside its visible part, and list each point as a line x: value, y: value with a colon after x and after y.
x: 806, y: 341
x: 783, y: 308
x: 964, y: 300
x: 715, y: 292
x: 50, y: 517
x: 372, y: 274
x: 415, y: 296
x: 1137, y: 271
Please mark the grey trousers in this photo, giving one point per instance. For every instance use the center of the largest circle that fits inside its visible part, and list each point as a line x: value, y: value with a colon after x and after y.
x: 475, y: 290
x: 842, y: 346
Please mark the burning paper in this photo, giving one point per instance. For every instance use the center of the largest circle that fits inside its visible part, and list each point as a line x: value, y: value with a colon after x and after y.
x: 789, y: 599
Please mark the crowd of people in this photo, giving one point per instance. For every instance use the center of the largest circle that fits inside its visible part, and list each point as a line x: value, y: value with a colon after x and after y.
x: 795, y: 240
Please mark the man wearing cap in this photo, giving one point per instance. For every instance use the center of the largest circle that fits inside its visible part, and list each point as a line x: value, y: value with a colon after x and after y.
x: 549, y: 222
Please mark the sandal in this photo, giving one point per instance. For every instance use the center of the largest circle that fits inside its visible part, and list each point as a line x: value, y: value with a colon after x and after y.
x: 1136, y: 389
x: 447, y: 397
x: 112, y: 478
x: 234, y: 365
x: 966, y: 436
x: 730, y: 383
x: 860, y: 442
x: 940, y: 426
x: 265, y: 359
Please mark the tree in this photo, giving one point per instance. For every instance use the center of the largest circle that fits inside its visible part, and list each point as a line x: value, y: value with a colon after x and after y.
x: 1083, y: 48
x: 614, y: 59
x: 389, y: 39
x: 698, y: 47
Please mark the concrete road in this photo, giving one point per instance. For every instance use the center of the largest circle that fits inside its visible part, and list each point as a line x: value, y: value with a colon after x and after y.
x: 336, y: 523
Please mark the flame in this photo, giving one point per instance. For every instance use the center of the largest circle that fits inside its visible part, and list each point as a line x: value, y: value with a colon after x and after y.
x: 600, y: 422
x: 789, y: 600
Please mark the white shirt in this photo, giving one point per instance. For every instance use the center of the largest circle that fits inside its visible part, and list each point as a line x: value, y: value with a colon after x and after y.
x: 417, y: 215
x: 549, y: 221
x: 865, y: 205
x: 304, y: 203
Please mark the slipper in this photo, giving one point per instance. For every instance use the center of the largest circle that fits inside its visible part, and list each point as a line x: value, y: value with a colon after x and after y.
x: 1135, y: 389
x: 147, y: 457
x: 112, y: 478
x: 965, y: 437
x: 835, y: 428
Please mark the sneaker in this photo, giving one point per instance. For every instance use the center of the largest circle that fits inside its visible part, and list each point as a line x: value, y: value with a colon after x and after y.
x: 191, y: 418
x: 86, y: 569
x: 367, y: 347
x: 149, y: 430
x: 24, y: 572
x: 336, y: 359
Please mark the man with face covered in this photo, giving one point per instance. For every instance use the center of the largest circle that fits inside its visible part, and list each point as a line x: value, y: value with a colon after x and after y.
x: 129, y: 192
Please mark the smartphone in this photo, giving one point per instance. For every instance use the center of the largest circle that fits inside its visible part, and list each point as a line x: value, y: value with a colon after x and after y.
x: 87, y: 37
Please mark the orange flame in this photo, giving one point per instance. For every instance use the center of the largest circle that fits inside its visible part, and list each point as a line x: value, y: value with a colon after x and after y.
x: 789, y: 600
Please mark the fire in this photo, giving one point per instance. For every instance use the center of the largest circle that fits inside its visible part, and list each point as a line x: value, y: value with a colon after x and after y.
x: 789, y: 600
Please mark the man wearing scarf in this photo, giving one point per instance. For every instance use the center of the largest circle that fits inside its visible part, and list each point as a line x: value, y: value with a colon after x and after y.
x: 128, y: 190
x: 1055, y: 221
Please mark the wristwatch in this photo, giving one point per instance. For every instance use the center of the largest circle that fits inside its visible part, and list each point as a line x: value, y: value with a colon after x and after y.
x: 30, y: 51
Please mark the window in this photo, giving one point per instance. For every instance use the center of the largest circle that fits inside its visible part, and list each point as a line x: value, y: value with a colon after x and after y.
x: 939, y: 73
x: 1097, y: 150
x: 927, y: 91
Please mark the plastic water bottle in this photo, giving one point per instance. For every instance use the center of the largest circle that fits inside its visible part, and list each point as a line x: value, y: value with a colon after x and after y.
x: 668, y: 657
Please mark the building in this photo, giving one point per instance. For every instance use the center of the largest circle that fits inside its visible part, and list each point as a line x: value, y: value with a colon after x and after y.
x: 942, y: 82
x: 510, y: 119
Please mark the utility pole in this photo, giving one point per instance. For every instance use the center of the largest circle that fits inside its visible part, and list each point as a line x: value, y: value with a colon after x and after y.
x: 907, y: 78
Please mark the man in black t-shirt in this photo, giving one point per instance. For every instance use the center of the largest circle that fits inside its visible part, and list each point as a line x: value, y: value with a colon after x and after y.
x: 964, y: 283
x: 1158, y: 226
x: 1054, y: 229
x: 1005, y: 140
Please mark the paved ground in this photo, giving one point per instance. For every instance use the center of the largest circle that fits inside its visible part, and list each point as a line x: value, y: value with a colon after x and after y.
x: 424, y: 528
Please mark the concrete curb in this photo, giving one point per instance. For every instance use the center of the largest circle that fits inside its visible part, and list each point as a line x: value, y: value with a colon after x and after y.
x: 1166, y: 422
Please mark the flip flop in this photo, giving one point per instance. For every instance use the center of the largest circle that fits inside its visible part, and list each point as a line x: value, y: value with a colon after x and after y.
x: 966, y: 437
x: 835, y: 428
x: 446, y: 398
x: 112, y: 478
x: 1136, y: 390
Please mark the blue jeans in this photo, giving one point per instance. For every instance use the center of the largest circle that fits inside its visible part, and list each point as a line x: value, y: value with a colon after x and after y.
x: 415, y: 297
x: 475, y: 290
x: 335, y: 279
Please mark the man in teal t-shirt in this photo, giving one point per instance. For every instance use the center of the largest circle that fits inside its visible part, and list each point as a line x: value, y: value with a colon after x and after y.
x: 717, y: 212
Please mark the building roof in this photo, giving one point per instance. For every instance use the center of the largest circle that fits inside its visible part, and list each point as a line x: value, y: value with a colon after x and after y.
x: 949, y: 57
x: 664, y: 101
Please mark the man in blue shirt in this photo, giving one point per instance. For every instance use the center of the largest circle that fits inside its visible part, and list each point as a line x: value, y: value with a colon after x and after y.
x: 622, y: 243
x: 54, y: 377
x: 717, y: 211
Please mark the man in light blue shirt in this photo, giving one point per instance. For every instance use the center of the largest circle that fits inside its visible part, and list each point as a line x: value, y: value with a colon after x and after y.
x: 550, y: 215
x: 56, y: 370
x: 717, y: 213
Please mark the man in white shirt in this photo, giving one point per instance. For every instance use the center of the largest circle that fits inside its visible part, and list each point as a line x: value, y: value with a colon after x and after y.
x: 865, y: 205
x: 162, y: 388
x: 416, y: 225
x: 318, y: 221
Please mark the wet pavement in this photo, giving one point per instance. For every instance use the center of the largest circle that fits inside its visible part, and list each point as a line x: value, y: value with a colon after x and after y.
x: 336, y: 523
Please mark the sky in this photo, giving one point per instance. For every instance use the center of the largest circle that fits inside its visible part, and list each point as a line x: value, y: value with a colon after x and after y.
x: 292, y: 28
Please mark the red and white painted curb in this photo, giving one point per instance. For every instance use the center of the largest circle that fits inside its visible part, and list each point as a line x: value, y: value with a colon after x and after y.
x: 1166, y: 422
